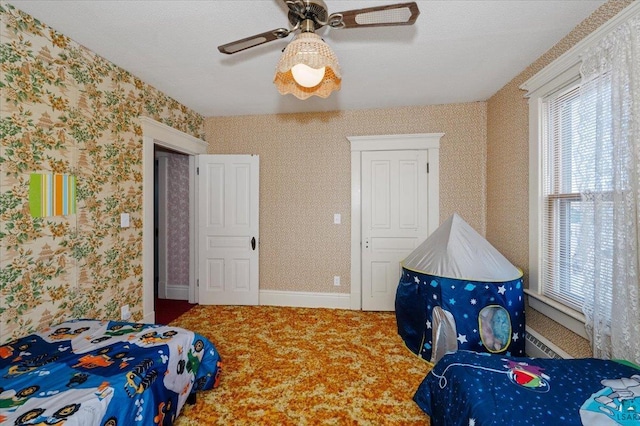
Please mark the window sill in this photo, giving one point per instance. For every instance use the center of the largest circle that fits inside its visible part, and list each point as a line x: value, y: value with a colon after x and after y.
x: 565, y: 316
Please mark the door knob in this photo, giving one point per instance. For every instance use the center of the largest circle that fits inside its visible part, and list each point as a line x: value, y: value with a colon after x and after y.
x: 253, y: 243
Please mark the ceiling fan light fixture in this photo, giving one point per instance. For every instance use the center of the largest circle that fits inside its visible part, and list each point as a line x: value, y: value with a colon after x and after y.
x: 309, y: 54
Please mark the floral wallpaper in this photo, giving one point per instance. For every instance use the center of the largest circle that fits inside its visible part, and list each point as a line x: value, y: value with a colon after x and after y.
x: 64, y: 109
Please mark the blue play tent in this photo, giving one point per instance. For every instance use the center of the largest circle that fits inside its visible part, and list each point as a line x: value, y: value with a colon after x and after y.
x: 457, y: 291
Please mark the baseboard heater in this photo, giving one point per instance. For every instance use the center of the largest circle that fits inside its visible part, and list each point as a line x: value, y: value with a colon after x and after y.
x: 537, y: 346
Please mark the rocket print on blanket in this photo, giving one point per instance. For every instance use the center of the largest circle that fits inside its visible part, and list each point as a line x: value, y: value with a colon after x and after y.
x: 528, y: 376
x: 471, y: 388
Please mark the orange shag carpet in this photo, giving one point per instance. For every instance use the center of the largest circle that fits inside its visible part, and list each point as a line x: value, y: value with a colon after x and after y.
x: 305, y: 366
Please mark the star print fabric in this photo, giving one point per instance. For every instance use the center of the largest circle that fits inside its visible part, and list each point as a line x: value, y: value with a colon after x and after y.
x: 485, y: 316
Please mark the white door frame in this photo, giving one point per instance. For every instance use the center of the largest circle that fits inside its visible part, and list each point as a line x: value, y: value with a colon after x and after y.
x: 419, y: 141
x: 163, y: 265
x: 156, y: 133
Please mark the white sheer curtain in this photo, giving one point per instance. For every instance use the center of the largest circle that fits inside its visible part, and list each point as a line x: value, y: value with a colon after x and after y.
x: 609, y: 182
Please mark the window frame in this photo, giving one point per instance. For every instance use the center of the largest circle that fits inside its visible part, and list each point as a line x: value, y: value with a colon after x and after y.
x: 560, y: 196
x: 555, y: 82
x: 559, y: 74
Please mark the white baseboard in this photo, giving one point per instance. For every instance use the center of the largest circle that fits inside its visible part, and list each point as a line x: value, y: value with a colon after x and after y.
x: 150, y: 318
x: 177, y: 292
x: 299, y: 299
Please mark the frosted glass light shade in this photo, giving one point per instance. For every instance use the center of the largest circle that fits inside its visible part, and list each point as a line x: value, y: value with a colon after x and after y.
x: 308, y: 49
x: 306, y: 76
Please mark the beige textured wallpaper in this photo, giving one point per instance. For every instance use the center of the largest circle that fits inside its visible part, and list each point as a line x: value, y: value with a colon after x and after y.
x: 305, y: 177
x: 508, y: 163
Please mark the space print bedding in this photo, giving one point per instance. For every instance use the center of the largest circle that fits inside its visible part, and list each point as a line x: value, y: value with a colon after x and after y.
x: 479, y: 389
x: 112, y: 373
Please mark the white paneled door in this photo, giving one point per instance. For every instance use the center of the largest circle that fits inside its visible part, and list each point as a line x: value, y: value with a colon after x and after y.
x: 228, y: 229
x: 394, y: 220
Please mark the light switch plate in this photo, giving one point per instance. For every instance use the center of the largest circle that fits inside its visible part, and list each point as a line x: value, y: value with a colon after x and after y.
x: 124, y: 312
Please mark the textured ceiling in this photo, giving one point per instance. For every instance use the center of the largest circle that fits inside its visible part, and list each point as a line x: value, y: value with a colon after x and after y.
x: 458, y: 51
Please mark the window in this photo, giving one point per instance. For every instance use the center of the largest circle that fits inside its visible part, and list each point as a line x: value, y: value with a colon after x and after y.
x: 569, y: 153
x: 561, y: 220
x: 583, y: 187
x: 557, y: 177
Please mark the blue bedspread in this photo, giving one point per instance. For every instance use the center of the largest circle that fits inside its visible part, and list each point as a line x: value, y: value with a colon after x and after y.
x: 87, y: 372
x: 473, y: 389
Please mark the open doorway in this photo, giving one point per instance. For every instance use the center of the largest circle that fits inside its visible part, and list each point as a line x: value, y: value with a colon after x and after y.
x: 171, y: 234
x: 156, y: 134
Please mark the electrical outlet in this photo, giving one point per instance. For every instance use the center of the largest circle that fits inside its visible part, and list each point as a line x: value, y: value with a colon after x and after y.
x: 336, y: 280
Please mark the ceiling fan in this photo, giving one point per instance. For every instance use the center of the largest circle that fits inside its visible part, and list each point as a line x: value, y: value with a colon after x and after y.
x: 308, y: 66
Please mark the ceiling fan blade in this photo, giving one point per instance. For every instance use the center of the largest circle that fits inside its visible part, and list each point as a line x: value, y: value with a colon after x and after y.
x: 378, y: 16
x: 256, y: 40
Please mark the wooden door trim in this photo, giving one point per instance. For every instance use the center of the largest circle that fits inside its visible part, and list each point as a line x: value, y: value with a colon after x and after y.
x: 418, y: 141
x: 161, y: 239
x: 156, y: 133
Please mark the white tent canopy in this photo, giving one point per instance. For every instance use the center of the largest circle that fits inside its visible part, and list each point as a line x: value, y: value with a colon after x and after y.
x: 456, y: 250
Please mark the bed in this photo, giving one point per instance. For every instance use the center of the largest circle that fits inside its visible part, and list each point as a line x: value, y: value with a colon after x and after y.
x: 474, y: 389
x: 88, y: 372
